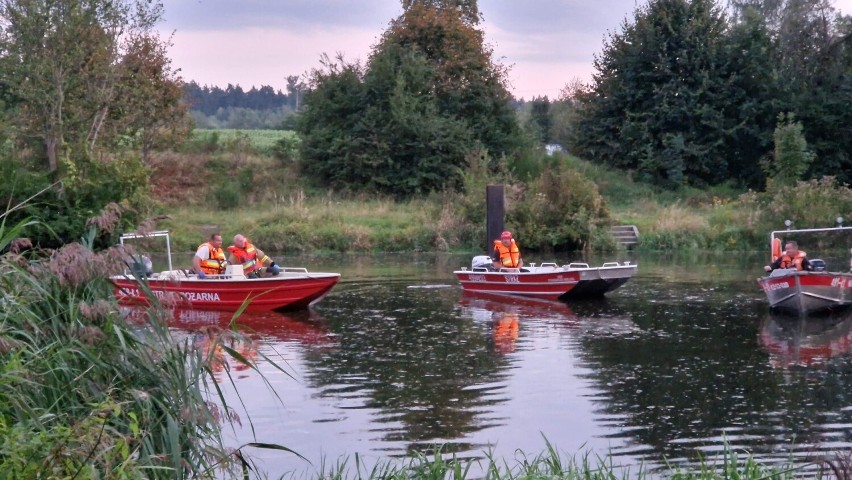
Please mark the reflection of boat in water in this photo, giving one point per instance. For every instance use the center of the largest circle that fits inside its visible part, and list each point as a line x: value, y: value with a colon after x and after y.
x: 305, y: 326
x: 504, y: 313
x: 292, y: 289
x: 546, y: 281
x: 794, y: 340
x: 517, y: 305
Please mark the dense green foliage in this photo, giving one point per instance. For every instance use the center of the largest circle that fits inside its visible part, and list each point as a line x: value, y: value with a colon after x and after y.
x: 429, y: 97
x: 791, y: 158
x: 88, y: 93
x: 562, y: 211
x: 684, y: 95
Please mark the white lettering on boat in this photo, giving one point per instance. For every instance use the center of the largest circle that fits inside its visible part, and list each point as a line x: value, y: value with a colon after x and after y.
x: 476, y: 278
x: 512, y: 279
x: 202, y: 296
x: 191, y: 296
x: 777, y: 286
x: 841, y: 283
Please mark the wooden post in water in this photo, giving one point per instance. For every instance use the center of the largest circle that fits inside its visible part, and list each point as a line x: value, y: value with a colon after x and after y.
x: 494, y: 214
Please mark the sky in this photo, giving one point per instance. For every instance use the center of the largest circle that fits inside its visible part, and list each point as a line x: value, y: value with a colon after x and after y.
x: 545, y: 43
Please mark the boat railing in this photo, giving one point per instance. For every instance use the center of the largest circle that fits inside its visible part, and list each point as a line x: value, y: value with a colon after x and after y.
x: 294, y: 269
x: 577, y: 265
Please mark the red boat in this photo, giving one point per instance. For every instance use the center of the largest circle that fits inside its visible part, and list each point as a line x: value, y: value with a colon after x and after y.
x: 292, y: 289
x: 546, y: 281
x: 806, y: 292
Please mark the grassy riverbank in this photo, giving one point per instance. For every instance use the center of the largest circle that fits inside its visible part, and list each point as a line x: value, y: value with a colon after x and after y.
x: 264, y: 197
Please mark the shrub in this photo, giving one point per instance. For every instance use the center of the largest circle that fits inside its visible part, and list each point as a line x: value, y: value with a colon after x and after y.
x: 560, y: 211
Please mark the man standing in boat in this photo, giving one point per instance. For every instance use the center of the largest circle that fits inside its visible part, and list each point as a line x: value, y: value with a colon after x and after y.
x: 506, y: 253
x: 242, y: 252
x: 792, y: 258
x: 209, y: 258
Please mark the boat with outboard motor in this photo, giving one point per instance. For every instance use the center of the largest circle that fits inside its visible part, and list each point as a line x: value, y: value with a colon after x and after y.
x: 291, y: 289
x: 547, y: 280
x: 806, y: 292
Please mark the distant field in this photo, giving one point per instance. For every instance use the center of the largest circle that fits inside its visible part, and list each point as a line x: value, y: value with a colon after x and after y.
x: 260, y: 139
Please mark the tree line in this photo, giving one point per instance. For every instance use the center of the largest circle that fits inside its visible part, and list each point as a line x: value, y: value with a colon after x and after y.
x: 688, y: 93
x: 208, y: 99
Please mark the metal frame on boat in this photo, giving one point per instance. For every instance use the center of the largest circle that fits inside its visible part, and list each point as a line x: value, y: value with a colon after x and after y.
x: 547, y: 281
x: 807, y: 292
x: 292, y: 289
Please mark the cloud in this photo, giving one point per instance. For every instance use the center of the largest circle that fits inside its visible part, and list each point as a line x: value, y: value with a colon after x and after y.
x: 298, y: 15
x: 547, y: 43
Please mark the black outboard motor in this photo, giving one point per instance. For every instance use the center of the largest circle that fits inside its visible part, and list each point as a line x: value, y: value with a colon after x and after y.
x: 818, y: 264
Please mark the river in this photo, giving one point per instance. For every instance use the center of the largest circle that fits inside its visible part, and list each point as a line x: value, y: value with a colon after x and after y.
x: 681, y: 363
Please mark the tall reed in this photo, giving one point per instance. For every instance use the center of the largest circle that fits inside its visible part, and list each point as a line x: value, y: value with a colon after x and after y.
x: 87, y: 394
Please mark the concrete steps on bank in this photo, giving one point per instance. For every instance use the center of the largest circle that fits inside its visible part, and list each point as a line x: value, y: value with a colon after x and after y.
x: 627, y: 235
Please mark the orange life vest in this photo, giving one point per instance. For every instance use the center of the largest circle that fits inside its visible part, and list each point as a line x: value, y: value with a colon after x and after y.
x: 214, y: 264
x: 510, y: 256
x: 776, y: 249
x: 787, y: 262
x: 246, y: 256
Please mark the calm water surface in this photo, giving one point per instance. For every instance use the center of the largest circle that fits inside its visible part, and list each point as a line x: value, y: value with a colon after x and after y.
x: 678, y: 363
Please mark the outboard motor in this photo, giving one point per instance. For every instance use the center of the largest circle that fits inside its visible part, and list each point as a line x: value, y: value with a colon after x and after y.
x: 141, y: 266
x: 818, y: 264
x: 481, y: 261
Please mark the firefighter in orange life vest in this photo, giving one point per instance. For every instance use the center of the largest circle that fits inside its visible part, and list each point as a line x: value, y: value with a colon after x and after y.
x: 252, y: 259
x: 791, y: 258
x: 209, y: 258
x: 506, y: 252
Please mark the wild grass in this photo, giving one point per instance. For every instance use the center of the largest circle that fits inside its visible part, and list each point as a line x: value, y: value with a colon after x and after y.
x: 260, y: 140
x: 320, y: 223
x: 587, y: 465
x: 88, y: 393
x: 570, y: 206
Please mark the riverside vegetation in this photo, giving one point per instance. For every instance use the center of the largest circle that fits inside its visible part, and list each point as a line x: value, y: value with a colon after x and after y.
x: 565, y: 203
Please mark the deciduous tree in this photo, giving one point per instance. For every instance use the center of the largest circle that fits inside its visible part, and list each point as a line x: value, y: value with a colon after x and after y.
x: 429, y: 95
x: 62, y: 61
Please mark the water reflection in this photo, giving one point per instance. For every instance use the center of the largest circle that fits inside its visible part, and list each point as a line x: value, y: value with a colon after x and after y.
x: 809, y: 341
x: 681, y: 362
x: 503, y: 314
x: 423, y: 374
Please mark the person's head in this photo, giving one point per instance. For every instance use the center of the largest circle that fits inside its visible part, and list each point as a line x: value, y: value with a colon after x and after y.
x: 506, y: 237
x: 791, y: 248
x: 239, y: 241
x: 216, y: 240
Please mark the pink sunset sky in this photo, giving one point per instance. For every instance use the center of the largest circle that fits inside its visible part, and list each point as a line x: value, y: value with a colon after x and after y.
x: 546, y: 43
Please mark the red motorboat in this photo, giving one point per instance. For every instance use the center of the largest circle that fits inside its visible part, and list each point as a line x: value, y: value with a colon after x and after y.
x: 547, y: 281
x: 292, y: 289
x: 806, y: 292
